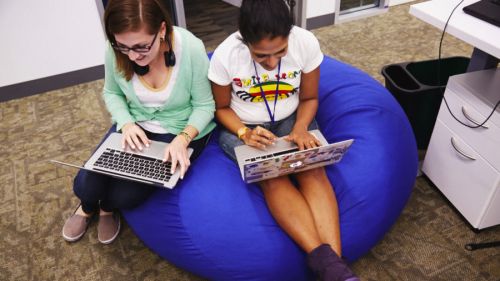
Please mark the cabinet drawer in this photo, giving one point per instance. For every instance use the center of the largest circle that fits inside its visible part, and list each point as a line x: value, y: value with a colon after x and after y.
x: 483, y: 140
x: 468, y: 184
x: 479, y: 89
x: 492, y: 212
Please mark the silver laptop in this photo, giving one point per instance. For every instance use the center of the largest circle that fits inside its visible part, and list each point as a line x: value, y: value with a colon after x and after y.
x: 285, y: 158
x: 144, y: 166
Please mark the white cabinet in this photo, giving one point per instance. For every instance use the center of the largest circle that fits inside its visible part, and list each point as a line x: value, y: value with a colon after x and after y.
x: 463, y: 162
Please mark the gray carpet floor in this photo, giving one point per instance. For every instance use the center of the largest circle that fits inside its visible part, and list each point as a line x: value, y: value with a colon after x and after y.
x: 426, y: 243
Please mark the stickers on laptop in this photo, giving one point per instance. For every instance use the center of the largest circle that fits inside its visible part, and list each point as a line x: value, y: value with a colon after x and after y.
x: 294, y: 162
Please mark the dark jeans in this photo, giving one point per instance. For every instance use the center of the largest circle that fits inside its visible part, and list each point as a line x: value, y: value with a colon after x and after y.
x: 109, y: 193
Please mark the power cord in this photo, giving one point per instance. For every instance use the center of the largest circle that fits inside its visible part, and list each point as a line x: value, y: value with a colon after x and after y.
x: 439, y: 77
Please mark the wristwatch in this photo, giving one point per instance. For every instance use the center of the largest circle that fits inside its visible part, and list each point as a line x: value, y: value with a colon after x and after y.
x: 241, y: 131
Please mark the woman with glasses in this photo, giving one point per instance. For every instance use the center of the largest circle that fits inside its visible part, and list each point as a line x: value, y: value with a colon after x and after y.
x: 265, y: 84
x: 155, y: 88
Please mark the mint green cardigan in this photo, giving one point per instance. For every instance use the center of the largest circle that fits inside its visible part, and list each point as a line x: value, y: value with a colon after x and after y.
x: 190, y: 103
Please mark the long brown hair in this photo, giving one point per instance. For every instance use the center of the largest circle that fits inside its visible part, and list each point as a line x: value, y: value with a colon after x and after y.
x: 133, y: 15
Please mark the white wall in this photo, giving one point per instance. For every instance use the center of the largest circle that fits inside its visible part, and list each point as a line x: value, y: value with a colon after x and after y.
x: 41, y: 38
x: 316, y: 8
x: 398, y: 2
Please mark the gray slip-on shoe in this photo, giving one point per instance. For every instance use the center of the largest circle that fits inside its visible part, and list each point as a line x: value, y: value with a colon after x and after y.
x: 75, y: 227
x: 108, y: 228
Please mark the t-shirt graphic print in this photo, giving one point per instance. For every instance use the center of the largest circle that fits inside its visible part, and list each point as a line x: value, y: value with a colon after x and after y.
x: 257, y: 87
x: 232, y: 64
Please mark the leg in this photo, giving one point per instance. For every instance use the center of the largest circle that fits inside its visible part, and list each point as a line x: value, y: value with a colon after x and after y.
x: 125, y: 194
x: 122, y: 194
x: 90, y: 188
x: 227, y: 142
x: 198, y: 146
x: 318, y: 192
x: 324, y: 260
x: 291, y: 211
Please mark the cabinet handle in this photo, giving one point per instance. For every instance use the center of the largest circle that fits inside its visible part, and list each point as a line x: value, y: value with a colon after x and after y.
x: 459, y: 150
x: 467, y: 116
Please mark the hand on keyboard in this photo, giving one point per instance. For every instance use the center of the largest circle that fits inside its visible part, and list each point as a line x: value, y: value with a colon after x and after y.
x: 303, y: 139
x: 258, y: 137
x: 134, y: 137
x: 177, y: 152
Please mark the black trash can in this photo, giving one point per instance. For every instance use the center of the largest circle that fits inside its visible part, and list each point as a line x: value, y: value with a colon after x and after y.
x: 416, y: 87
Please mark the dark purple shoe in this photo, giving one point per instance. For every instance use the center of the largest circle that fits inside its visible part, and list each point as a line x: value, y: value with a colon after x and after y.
x: 329, y: 266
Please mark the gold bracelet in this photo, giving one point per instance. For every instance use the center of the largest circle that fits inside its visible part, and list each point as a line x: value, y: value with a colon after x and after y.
x: 242, y: 131
x: 186, y: 136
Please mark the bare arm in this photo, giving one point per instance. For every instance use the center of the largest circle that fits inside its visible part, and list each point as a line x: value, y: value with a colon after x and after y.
x: 308, y: 106
x: 258, y: 137
x: 224, y: 114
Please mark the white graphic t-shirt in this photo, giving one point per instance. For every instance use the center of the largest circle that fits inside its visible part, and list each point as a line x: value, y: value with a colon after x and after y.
x: 232, y: 64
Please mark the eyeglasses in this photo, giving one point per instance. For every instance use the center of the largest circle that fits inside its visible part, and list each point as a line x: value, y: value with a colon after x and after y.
x: 136, y: 49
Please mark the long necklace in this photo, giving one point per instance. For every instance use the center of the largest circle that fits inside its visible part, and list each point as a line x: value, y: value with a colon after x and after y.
x: 263, y: 95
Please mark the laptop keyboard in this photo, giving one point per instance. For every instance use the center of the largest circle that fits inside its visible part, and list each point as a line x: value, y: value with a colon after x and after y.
x: 134, y: 164
x: 267, y: 156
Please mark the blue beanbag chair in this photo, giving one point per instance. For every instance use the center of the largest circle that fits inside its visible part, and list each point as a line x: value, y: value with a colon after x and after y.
x: 218, y: 227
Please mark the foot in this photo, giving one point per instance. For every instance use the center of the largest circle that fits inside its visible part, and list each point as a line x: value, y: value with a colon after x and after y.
x: 76, y: 225
x: 329, y: 266
x: 108, y: 227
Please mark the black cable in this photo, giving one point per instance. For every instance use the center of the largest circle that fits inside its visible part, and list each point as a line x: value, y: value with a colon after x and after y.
x: 470, y: 246
x: 439, y: 77
x: 467, y: 125
x: 476, y: 246
x: 442, y: 36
